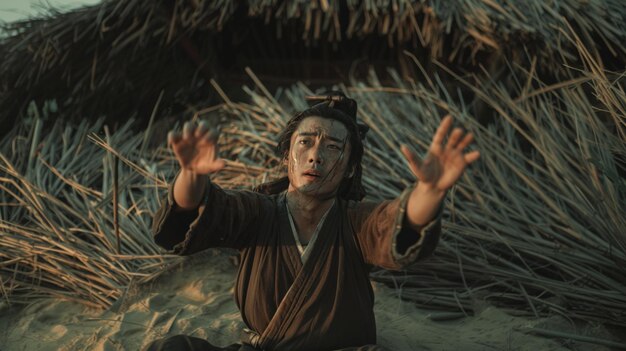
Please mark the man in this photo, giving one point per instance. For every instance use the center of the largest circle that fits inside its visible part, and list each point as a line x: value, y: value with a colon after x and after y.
x: 307, y: 242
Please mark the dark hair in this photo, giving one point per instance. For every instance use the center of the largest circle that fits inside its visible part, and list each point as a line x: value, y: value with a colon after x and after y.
x: 339, y: 107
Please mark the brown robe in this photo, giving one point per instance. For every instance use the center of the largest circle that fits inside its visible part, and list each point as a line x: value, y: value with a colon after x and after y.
x: 325, y: 304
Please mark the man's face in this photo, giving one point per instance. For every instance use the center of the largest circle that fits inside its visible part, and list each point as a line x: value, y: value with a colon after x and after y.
x: 318, y: 157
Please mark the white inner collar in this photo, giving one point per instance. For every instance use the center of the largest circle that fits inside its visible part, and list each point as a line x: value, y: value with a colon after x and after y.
x: 305, y: 251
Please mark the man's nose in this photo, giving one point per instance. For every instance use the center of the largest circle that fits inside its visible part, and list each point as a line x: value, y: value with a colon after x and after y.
x: 315, y: 155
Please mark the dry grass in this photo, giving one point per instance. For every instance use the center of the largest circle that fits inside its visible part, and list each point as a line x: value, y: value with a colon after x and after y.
x: 536, y: 227
x: 538, y: 224
x: 57, y: 224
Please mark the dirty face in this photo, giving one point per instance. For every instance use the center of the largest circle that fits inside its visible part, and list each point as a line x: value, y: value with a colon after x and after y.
x: 318, y: 157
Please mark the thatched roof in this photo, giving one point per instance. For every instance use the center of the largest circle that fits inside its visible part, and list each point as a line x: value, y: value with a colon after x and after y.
x: 117, y: 57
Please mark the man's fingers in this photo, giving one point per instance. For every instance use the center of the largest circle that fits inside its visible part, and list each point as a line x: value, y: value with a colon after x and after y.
x: 173, y: 137
x: 211, y: 136
x: 442, y: 131
x: 471, y: 156
x: 215, y: 163
x: 187, y: 130
x: 414, y: 161
x: 201, y: 129
x: 453, y: 140
x: 410, y: 155
x: 467, y: 140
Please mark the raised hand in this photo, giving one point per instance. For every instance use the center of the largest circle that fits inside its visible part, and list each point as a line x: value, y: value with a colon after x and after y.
x: 443, y: 165
x: 196, y: 149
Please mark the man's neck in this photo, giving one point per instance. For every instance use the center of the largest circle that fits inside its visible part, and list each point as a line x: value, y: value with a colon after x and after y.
x: 307, y: 210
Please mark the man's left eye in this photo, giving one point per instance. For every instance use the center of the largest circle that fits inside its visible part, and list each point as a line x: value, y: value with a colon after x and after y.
x: 334, y: 147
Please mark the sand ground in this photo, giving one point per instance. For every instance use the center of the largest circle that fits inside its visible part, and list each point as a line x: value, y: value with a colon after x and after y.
x: 196, y: 299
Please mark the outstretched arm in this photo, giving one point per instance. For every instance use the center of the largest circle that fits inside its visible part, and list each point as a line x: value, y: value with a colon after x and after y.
x: 440, y: 169
x: 398, y: 232
x: 197, y: 214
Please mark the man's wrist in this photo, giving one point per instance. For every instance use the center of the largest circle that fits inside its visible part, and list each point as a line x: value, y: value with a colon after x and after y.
x: 427, y: 191
x: 188, y: 174
x: 424, y: 204
x: 189, y: 189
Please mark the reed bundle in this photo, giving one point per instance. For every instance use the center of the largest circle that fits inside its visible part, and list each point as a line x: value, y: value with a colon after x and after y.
x: 113, y: 51
x: 58, y: 194
x: 537, y: 226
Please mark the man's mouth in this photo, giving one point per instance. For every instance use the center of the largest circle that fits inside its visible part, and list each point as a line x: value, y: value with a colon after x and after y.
x: 312, y: 174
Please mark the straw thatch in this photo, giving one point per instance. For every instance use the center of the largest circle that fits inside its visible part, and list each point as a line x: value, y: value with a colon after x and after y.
x: 58, y: 232
x: 118, y: 57
x: 535, y: 227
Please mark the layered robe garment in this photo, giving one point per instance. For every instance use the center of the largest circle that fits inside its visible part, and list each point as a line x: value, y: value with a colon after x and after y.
x: 325, y: 303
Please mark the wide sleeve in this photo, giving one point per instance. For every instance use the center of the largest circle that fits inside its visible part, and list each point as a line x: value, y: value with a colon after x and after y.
x: 386, y: 238
x: 225, y: 218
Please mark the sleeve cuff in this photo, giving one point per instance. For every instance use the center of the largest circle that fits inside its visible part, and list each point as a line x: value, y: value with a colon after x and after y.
x: 171, y: 203
x: 172, y: 219
x: 409, y: 245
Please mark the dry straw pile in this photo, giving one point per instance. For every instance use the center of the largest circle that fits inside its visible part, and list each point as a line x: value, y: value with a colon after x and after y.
x: 536, y: 227
x: 58, y: 233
